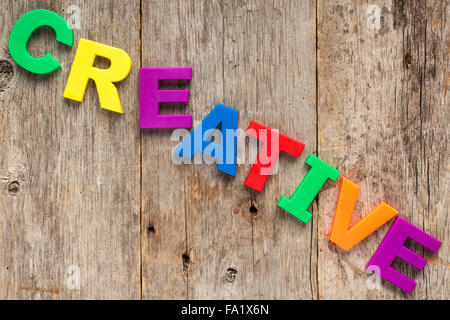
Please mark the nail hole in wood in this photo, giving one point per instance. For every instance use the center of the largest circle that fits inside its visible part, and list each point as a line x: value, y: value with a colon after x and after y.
x: 230, y: 276
x: 186, y: 258
x: 186, y: 262
x: 151, y: 229
x: 253, y: 210
x: 13, y: 188
x: 407, y: 60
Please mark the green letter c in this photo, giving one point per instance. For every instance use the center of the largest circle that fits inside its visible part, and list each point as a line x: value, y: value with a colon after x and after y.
x: 22, y: 31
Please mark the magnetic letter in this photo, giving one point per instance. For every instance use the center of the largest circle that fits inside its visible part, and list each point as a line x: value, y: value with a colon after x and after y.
x: 22, y: 31
x: 225, y: 150
x: 302, y: 198
x: 269, y: 153
x: 340, y: 233
x: 392, y: 247
x: 150, y: 97
x: 83, y: 69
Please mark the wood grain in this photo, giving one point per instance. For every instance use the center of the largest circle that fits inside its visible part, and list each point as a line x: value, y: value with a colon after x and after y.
x: 270, y: 73
x: 249, y: 56
x: 383, y: 117
x: 69, y: 171
x: 85, y: 188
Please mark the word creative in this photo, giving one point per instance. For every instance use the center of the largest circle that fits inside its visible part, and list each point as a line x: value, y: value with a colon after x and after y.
x: 224, y: 151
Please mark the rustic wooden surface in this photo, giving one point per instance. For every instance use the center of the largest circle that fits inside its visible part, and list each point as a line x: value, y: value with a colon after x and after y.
x: 383, y: 122
x: 85, y: 189
x: 70, y: 171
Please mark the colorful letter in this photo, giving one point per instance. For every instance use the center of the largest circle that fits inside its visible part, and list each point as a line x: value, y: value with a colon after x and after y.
x: 150, y: 97
x: 392, y: 247
x: 302, y: 198
x: 340, y: 233
x: 83, y: 69
x: 225, y: 150
x: 274, y: 143
x: 22, y: 31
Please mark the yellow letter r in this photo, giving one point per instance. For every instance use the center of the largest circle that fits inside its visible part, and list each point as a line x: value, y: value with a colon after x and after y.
x: 83, y: 69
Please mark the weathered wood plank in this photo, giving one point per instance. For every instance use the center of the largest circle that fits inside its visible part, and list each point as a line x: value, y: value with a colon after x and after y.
x: 270, y: 74
x: 383, y: 118
x: 219, y: 232
x: 163, y: 224
x: 197, y: 237
x: 432, y: 67
x: 69, y: 171
x: 259, y: 59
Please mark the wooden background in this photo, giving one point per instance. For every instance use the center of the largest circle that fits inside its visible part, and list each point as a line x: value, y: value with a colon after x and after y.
x: 84, y: 189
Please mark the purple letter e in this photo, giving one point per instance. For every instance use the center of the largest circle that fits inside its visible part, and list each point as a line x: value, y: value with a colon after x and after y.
x: 151, y: 96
